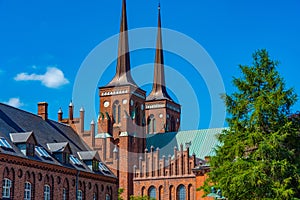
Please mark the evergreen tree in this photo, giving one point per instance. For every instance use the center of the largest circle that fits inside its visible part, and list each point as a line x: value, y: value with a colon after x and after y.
x: 259, y: 157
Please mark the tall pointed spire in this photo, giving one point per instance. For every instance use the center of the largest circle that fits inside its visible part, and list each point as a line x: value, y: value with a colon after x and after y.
x: 159, y: 91
x: 123, y: 75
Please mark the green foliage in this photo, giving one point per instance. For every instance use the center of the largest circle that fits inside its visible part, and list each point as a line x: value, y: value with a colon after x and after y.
x: 141, y: 198
x: 120, y: 191
x: 259, y: 158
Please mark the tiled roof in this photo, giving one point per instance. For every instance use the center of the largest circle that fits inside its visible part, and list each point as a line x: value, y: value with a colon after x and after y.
x: 57, y: 147
x: 88, y: 155
x: 13, y: 120
x: 20, y: 137
x: 202, y: 142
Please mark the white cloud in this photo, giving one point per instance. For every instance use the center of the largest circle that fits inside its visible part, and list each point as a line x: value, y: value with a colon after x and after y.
x: 15, y: 102
x: 53, y: 78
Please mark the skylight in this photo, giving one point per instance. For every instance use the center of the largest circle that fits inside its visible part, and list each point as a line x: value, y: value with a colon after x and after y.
x: 42, y: 152
x: 4, y: 143
x: 75, y: 160
x: 103, y: 168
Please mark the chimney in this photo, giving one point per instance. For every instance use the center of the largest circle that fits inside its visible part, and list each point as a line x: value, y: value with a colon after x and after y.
x: 71, y: 109
x: 93, y: 131
x: 81, y: 120
x: 43, y: 110
x: 60, y: 115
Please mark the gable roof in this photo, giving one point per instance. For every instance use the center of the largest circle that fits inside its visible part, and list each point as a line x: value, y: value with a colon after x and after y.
x: 57, y: 147
x: 58, y: 136
x: 21, y: 137
x: 201, y: 142
x: 88, y: 155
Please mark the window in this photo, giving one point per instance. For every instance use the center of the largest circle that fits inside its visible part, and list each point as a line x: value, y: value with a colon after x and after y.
x: 137, y: 114
x: 65, y: 194
x: 79, y: 195
x: 27, y: 191
x: 75, y: 160
x: 107, y: 197
x: 95, y: 196
x: 152, y: 192
x: 65, y: 158
x: 6, y: 188
x: 173, y: 124
x: 46, y: 192
x: 103, y: 168
x: 42, y: 152
x: 95, y: 165
x: 4, y: 143
x: 181, y: 193
x: 117, y: 112
x: 151, y: 124
x: 29, y: 149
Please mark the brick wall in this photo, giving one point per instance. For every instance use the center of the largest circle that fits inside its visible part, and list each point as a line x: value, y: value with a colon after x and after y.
x: 19, y: 170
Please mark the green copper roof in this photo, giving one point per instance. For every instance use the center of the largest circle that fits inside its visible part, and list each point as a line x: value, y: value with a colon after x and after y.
x: 202, y: 142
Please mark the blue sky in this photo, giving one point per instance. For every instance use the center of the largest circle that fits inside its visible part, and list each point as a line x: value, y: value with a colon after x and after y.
x: 44, y: 43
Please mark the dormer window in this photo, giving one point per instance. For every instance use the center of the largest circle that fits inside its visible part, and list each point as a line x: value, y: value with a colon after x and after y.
x: 90, y: 158
x: 61, y: 151
x: 25, y: 142
x: 30, y: 149
x: 95, y: 165
x: 4, y: 143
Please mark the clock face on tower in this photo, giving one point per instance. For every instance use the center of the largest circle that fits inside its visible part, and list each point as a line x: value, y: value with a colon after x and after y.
x: 160, y: 115
x: 106, y: 104
x: 124, y: 101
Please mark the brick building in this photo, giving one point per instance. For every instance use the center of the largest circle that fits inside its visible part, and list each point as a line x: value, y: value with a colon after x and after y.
x: 135, y: 144
x: 44, y: 159
x: 138, y: 135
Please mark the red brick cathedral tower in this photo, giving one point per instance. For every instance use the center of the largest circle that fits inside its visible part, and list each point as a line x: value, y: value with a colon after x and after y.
x: 162, y: 113
x: 121, y: 120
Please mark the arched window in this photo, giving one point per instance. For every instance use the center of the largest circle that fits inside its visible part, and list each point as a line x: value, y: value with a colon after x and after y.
x: 171, y: 191
x: 27, y: 191
x: 181, y: 192
x: 173, y: 124
x: 95, y: 194
x: 117, y: 112
x: 190, y: 191
x: 6, y: 188
x: 154, y: 125
x: 137, y: 114
x: 65, y: 194
x: 151, y: 124
x: 46, y: 192
x: 107, y: 197
x: 168, y: 125
x: 160, y: 192
x: 66, y: 190
x: 79, y: 195
x: 143, y: 191
x: 152, y: 192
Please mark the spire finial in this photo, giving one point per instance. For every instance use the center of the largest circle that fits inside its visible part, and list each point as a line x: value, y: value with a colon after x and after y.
x: 159, y: 90
x: 123, y: 76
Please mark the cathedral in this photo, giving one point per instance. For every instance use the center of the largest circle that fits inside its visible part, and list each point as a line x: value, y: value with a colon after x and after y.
x: 135, y: 146
x: 137, y: 131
